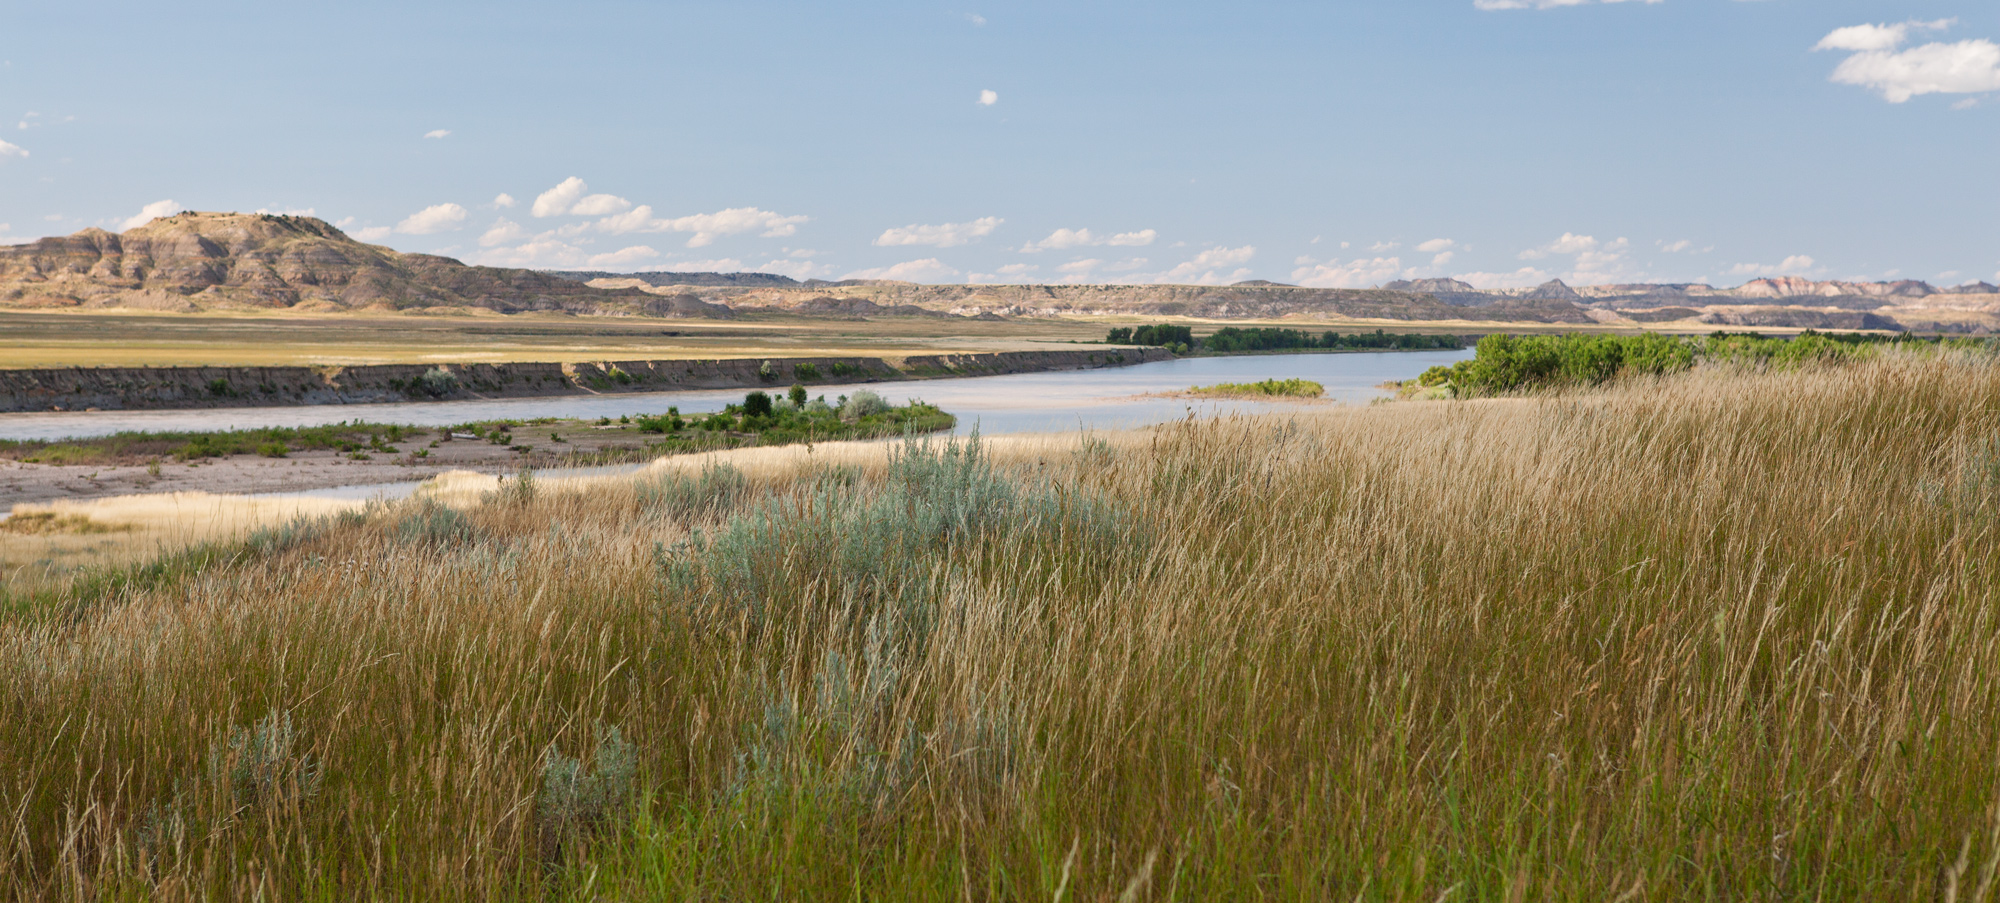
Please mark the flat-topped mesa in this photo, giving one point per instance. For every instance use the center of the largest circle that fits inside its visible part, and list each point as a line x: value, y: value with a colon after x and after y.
x: 193, y: 261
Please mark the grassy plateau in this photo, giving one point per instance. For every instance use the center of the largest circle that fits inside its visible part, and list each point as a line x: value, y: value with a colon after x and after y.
x: 1727, y: 633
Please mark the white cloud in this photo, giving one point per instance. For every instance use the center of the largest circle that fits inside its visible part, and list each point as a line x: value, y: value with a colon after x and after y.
x: 1966, y: 67
x: 1862, y: 38
x: 432, y: 220
x: 8, y: 149
x: 1963, y: 67
x: 288, y: 211
x: 975, y: 18
x: 797, y: 269
x: 944, y: 235
x: 372, y: 234
x: 988, y: 98
x: 599, y: 205
x: 705, y: 226
x: 929, y: 269
x: 1521, y: 278
x: 1354, y: 274
x: 558, y: 200
x: 1596, y: 261
x: 503, y: 231
x: 503, y: 200
x: 715, y: 265
x: 1215, y: 266
x: 438, y: 133
x: 543, y: 252
x: 150, y: 212
x: 1795, y: 265
x: 623, y: 256
x: 1380, y: 246
x: 1064, y: 239
x: 1540, y: 4
x: 1440, y: 249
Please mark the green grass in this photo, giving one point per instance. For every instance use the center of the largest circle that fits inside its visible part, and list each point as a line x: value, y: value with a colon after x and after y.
x: 140, y: 447
x: 1273, y: 388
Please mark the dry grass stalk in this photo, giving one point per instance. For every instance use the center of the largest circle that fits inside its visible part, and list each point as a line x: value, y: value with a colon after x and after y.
x: 1721, y: 636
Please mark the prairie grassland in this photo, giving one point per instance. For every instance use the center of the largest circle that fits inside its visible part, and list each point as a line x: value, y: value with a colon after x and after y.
x: 1723, y: 635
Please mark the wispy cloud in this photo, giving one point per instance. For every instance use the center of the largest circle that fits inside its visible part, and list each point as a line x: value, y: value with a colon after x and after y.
x: 438, y: 133
x: 1795, y: 265
x: 988, y: 98
x: 1595, y: 261
x: 1360, y: 273
x: 1064, y: 239
x: 707, y: 227
x: 929, y: 269
x: 1215, y: 266
x: 943, y: 235
x: 9, y: 149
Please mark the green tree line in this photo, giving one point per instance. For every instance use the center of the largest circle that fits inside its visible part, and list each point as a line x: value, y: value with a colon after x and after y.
x: 1231, y: 339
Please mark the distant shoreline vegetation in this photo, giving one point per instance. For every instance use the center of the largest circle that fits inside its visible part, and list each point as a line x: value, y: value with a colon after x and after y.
x: 1234, y: 340
x: 791, y: 418
x: 1516, y: 363
x: 1268, y: 388
x: 761, y: 419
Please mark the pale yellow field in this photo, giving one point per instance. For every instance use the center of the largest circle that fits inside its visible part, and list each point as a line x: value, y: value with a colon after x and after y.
x: 139, y: 339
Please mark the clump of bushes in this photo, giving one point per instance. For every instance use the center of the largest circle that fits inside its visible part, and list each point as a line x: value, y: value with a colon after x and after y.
x: 1511, y: 363
x: 863, y: 403
x: 1280, y: 388
x: 438, y: 382
x: 793, y: 417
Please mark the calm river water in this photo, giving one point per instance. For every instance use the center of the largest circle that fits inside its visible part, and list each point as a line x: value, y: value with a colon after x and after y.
x: 1020, y: 403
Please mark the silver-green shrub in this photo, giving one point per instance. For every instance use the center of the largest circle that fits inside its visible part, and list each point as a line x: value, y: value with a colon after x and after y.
x: 576, y: 797
x: 262, y: 764
x: 861, y: 404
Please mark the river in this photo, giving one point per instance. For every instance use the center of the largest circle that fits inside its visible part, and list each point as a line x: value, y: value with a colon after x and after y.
x: 1111, y: 398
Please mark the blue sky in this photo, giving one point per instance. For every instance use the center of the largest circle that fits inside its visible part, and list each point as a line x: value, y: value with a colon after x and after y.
x: 1326, y: 143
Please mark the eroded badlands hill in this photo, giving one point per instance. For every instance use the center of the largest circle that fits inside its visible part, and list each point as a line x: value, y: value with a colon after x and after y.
x: 199, y: 261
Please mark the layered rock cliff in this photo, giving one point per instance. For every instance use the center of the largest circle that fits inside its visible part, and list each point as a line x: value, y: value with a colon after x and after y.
x: 197, y: 261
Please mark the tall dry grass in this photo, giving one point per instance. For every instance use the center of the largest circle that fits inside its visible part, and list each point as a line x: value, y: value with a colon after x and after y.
x: 1724, y: 636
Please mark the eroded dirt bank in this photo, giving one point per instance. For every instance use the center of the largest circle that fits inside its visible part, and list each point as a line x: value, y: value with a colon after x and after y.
x: 130, y: 388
